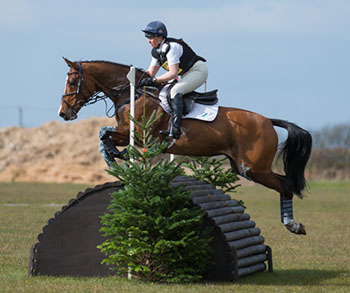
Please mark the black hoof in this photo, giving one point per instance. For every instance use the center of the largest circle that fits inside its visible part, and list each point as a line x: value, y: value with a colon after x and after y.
x: 296, y: 228
x: 302, y: 230
x: 123, y: 155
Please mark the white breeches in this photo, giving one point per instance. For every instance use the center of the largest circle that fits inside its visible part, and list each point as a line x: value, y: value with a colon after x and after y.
x: 191, y: 80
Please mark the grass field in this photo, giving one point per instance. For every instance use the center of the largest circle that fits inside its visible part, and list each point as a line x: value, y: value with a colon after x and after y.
x: 318, y: 262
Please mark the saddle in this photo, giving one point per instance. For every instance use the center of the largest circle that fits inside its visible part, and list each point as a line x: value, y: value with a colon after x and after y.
x: 189, y: 99
x: 207, y: 98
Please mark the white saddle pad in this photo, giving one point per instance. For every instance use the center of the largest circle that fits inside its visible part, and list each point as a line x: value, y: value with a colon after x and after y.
x: 203, y: 112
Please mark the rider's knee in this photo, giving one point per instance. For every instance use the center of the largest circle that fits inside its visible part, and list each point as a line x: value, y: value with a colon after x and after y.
x: 174, y: 91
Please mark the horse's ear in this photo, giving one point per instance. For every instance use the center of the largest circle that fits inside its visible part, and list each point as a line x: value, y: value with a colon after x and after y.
x: 70, y: 63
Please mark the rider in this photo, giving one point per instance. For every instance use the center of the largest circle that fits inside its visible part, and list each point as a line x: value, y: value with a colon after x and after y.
x: 175, y: 56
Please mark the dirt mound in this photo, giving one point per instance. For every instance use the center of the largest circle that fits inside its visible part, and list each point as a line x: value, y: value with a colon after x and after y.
x: 54, y: 152
x: 69, y: 152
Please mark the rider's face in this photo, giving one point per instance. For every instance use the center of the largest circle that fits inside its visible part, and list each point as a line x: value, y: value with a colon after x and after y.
x: 154, y: 42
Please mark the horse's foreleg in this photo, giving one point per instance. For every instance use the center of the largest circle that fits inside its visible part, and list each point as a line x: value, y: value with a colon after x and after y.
x: 110, y: 138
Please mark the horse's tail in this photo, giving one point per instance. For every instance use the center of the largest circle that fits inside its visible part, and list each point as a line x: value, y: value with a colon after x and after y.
x: 295, y: 152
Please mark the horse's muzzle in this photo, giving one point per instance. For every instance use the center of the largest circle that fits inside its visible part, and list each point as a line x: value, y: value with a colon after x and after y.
x: 67, y: 117
x: 63, y: 115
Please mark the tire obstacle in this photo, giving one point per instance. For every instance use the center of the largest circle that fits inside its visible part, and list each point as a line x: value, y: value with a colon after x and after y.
x: 67, y: 244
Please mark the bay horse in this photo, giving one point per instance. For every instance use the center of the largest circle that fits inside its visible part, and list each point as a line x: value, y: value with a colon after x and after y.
x: 247, y: 139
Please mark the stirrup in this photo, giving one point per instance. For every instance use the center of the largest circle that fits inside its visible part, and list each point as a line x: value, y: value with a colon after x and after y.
x: 165, y: 132
x: 171, y: 133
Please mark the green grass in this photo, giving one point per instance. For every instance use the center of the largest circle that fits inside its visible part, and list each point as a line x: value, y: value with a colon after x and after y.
x: 317, y: 262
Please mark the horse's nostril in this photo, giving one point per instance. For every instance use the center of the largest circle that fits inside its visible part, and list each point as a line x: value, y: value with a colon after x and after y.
x: 62, y: 115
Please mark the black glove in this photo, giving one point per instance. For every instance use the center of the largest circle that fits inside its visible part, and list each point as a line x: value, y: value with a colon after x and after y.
x: 147, y: 81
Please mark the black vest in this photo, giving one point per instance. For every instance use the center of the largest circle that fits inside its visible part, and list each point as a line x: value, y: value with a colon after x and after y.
x: 187, y: 60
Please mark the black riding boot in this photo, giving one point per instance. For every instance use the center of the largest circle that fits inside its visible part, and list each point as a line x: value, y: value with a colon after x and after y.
x: 176, y: 118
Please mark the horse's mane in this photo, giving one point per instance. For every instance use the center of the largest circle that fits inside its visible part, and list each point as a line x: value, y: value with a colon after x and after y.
x: 112, y: 63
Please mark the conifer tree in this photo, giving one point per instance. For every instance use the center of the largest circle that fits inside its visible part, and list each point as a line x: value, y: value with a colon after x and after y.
x: 211, y: 170
x: 153, y: 230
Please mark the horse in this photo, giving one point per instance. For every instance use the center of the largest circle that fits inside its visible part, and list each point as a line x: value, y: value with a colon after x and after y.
x: 247, y: 139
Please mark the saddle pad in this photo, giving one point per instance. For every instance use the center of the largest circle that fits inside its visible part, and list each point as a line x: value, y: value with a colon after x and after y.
x: 203, y: 112
x: 199, y: 111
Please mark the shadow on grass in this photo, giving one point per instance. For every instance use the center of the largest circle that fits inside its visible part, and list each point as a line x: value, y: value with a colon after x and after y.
x: 298, y: 277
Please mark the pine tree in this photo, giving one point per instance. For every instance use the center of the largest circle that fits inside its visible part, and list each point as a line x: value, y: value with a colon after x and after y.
x: 211, y: 170
x: 153, y: 230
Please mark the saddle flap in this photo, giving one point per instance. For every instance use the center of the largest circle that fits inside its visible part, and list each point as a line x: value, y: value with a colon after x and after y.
x: 187, y: 106
x: 207, y: 98
x: 207, y: 101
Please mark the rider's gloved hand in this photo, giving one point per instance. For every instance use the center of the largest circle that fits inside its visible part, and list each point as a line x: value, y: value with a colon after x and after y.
x: 147, y: 81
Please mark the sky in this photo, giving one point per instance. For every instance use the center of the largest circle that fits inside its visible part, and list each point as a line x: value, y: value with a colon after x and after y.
x: 285, y: 59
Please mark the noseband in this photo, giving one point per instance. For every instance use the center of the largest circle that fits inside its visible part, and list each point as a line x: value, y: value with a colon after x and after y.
x: 80, y: 80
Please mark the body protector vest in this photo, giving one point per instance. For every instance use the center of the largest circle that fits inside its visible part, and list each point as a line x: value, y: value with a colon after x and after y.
x: 187, y: 60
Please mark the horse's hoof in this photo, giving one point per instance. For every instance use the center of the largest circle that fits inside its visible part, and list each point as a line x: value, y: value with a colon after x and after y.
x: 301, y: 230
x: 123, y: 155
x: 296, y: 228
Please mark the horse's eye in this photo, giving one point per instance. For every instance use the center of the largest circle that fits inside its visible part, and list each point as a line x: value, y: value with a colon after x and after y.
x: 73, y: 82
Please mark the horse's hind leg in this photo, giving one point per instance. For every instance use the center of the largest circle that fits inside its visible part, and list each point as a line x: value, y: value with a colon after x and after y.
x: 280, y: 184
x: 268, y: 179
x: 253, y: 158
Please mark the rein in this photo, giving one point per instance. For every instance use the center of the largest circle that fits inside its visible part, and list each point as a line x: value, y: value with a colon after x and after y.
x: 139, y: 93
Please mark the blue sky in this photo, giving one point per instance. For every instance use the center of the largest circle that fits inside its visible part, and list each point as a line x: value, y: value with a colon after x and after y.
x: 285, y: 59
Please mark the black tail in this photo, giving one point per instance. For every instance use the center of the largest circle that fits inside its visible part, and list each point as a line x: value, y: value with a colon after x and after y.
x: 295, y: 151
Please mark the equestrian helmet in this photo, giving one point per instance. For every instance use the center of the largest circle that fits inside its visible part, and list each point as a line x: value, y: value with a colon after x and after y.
x: 155, y: 29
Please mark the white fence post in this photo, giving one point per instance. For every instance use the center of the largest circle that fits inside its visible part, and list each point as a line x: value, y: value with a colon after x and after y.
x: 132, y: 78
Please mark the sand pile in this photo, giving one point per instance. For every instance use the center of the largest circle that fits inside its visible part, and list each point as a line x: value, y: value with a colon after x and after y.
x: 69, y: 152
x: 54, y: 152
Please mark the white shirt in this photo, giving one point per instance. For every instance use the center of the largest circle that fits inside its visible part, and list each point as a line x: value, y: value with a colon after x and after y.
x: 173, y: 56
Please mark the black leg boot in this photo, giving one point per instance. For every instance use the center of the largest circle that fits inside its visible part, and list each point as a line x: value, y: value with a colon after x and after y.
x: 178, y: 111
x: 176, y: 118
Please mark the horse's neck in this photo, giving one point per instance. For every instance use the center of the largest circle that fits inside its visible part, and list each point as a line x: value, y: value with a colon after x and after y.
x: 107, y: 76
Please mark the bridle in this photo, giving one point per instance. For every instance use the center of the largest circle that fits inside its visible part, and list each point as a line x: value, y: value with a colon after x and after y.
x: 78, y: 90
x: 94, y: 98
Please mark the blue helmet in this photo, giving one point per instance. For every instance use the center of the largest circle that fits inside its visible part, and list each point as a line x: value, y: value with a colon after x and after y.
x: 155, y: 29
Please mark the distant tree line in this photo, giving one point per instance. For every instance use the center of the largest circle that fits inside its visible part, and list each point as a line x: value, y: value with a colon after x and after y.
x: 330, y: 137
x: 330, y: 157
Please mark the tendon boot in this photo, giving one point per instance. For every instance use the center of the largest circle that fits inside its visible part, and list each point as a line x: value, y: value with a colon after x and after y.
x: 176, y: 118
